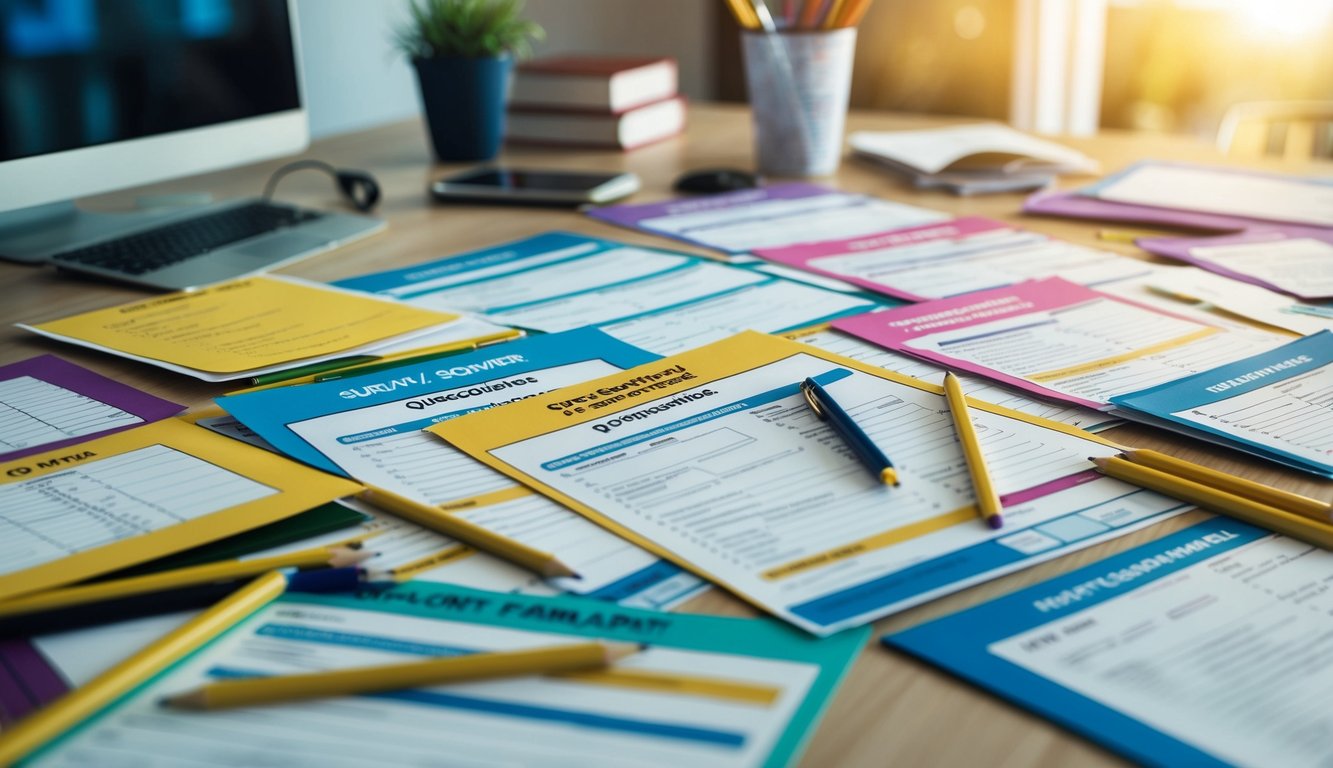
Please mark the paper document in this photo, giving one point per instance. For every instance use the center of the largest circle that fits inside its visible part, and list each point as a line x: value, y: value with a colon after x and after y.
x: 1221, y: 191
x: 657, y: 300
x: 1251, y: 302
x: 1056, y: 339
x: 970, y: 147
x: 707, y: 691
x: 1277, y: 405
x: 949, y: 258
x: 246, y: 328
x: 48, y: 403
x: 844, y: 344
x: 767, y: 217
x: 148, y: 492
x: 714, y: 456
x: 1300, y: 266
x: 370, y: 427
x: 1209, y: 647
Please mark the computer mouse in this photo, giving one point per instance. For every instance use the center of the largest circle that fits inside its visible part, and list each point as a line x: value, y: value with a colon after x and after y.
x: 714, y: 180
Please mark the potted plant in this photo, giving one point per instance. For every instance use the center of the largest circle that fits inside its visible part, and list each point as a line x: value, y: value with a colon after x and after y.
x: 463, y: 52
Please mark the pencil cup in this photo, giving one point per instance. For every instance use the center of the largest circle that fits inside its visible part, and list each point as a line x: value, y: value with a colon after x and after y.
x: 799, y: 83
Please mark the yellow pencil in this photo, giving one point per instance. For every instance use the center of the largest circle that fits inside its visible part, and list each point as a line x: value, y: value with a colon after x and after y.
x: 455, y: 526
x: 1239, y: 507
x: 230, y: 570
x: 988, y: 501
x: 745, y: 15
x: 1264, y: 494
x: 68, y: 711
x: 396, y: 677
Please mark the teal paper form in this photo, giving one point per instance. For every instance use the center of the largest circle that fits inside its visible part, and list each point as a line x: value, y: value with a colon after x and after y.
x: 706, y: 691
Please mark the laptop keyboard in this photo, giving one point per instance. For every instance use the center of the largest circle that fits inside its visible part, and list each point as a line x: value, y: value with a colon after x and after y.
x: 153, y: 249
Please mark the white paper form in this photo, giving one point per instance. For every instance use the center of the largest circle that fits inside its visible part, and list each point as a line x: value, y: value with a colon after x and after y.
x: 949, y: 258
x: 370, y: 427
x: 1057, y: 339
x: 768, y: 217
x: 1208, y: 647
x: 687, y: 699
x: 1278, y: 405
x: 1218, y: 190
x: 655, y: 300
x: 35, y: 412
x: 1301, y: 266
x: 117, y: 498
x: 840, y: 343
x: 735, y: 476
x: 768, y: 307
x: 1231, y: 655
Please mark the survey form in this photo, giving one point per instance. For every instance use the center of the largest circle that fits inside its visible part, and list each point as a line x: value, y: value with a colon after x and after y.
x: 406, y: 550
x: 247, y: 327
x: 707, y: 691
x: 147, y: 492
x: 948, y: 258
x: 370, y: 427
x: 1226, y: 191
x: 1299, y: 265
x: 1056, y: 339
x: 48, y: 403
x: 840, y: 343
x: 714, y: 456
x: 1277, y: 405
x: 658, y: 300
x: 766, y: 217
x: 1208, y: 647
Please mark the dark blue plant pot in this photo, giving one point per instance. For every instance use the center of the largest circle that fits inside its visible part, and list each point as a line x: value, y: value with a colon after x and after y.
x: 464, y: 101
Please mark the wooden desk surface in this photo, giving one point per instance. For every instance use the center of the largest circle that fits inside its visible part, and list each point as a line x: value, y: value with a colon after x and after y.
x: 891, y: 710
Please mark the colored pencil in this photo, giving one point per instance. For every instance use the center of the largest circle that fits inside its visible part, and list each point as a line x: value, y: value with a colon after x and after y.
x: 455, y: 526
x: 196, y: 575
x: 744, y: 13
x: 1239, y: 507
x: 988, y: 501
x: 393, y: 677
x: 1264, y: 494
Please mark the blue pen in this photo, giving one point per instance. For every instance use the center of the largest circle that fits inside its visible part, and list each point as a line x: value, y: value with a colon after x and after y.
x: 325, y: 580
x: 865, y: 449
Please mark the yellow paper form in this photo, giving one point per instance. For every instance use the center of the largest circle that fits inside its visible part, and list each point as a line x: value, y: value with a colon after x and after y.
x: 245, y: 325
x: 77, y: 512
x: 713, y: 458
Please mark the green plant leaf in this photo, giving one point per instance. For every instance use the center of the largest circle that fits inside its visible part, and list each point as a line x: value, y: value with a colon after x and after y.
x: 469, y: 28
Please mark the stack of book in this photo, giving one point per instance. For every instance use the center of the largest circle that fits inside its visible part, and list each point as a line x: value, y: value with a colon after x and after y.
x: 595, y: 101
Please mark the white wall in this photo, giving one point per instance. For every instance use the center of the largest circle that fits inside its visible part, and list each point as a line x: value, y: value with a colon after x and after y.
x: 355, y: 79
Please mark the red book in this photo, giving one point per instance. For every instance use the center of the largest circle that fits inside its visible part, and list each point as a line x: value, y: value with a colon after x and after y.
x: 571, y: 127
x: 597, y: 83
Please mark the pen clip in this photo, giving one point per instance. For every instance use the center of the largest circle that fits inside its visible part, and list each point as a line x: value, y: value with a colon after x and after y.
x: 811, y: 400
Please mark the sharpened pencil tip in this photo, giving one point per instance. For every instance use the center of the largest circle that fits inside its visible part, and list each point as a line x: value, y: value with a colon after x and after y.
x: 617, y: 651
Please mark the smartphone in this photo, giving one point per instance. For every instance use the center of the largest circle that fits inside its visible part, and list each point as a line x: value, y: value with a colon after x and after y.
x: 498, y: 184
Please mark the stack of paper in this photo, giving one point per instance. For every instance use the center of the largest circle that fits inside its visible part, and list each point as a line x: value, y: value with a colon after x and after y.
x: 971, y: 159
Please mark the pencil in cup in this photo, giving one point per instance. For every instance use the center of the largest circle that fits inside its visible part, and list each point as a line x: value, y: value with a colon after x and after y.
x: 393, y: 677
x: 1264, y: 494
x: 988, y: 500
x: 545, y: 564
x: 1254, y: 512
